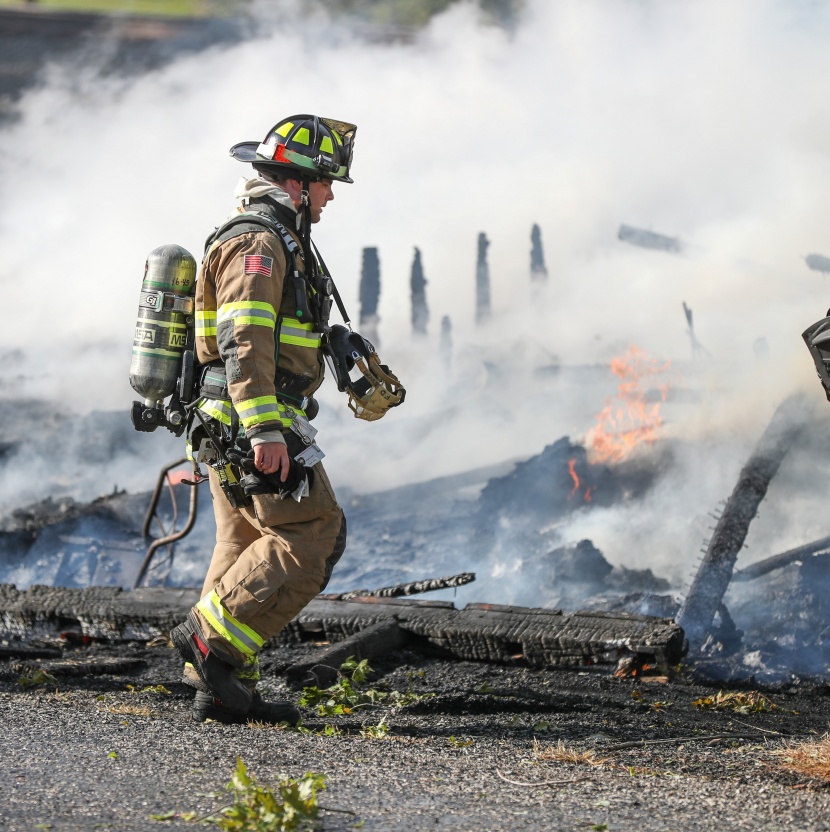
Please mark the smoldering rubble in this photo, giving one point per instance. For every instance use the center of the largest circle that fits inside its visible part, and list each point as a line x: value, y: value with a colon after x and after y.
x: 506, y: 523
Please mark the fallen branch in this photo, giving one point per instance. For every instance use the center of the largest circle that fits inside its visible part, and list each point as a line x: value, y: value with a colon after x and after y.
x: 672, y: 740
x: 332, y: 809
x: 763, y: 730
x: 543, y: 783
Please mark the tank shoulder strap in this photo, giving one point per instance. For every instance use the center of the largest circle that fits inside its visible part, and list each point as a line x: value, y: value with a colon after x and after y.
x: 296, y: 284
x: 251, y: 221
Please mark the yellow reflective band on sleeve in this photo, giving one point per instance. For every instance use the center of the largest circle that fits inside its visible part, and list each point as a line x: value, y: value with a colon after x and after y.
x: 216, y: 409
x: 205, y: 323
x: 300, y: 334
x: 253, y: 312
x: 256, y: 411
x: 242, y: 637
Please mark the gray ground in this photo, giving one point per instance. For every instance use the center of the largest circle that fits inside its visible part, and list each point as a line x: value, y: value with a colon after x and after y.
x: 96, y: 754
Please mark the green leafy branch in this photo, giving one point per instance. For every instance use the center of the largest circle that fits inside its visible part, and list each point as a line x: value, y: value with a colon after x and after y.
x: 348, y: 692
x: 291, y: 806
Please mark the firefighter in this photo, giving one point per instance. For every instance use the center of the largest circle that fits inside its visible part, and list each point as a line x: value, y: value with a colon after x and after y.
x: 262, y: 305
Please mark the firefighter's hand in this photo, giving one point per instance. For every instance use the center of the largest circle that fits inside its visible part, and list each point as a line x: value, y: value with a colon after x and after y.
x: 270, y: 457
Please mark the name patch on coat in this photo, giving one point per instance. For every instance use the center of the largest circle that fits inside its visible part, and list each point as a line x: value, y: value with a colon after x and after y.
x: 257, y: 264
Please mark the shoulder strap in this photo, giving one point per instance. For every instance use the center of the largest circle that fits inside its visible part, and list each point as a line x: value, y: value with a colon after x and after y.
x: 251, y: 221
x: 255, y: 221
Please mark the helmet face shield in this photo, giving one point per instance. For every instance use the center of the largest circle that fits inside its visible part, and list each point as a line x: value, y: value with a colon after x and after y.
x: 346, y: 133
x: 319, y: 148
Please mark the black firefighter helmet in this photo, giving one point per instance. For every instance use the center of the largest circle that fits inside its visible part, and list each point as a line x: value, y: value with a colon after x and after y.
x: 314, y: 147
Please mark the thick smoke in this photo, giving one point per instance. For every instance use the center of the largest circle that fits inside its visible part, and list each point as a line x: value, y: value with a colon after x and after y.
x: 704, y: 121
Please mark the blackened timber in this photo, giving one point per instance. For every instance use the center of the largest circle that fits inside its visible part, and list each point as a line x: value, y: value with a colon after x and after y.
x: 105, y: 612
x: 770, y: 564
x: 712, y: 579
x: 376, y: 640
x: 412, y: 588
x: 485, y: 632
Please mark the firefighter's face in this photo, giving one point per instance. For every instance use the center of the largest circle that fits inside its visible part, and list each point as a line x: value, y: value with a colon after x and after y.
x: 319, y: 195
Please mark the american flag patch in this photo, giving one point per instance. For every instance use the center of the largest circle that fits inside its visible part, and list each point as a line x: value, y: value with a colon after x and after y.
x: 257, y: 264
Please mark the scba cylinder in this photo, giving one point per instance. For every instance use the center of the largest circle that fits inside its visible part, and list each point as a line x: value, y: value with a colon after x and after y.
x: 165, y: 313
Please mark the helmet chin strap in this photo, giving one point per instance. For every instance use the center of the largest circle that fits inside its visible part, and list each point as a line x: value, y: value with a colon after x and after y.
x: 304, y: 227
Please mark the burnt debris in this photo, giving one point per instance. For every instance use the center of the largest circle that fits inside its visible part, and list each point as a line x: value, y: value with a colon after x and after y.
x: 715, y: 572
x: 818, y: 263
x: 482, y: 632
x: 649, y: 239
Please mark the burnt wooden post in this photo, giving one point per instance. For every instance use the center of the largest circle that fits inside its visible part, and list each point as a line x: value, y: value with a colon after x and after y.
x: 482, y: 280
x: 418, y: 293
x: 709, y: 586
x: 370, y: 294
x: 445, y: 344
x: 538, y: 269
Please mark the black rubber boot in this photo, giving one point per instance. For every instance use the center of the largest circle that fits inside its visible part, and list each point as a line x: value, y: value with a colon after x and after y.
x: 218, y: 676
x: 206, y: 706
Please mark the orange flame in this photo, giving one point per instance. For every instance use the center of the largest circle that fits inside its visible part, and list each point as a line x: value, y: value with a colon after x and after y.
x: 175, y: 477
x: 628, y: 420
x: 575, y: 477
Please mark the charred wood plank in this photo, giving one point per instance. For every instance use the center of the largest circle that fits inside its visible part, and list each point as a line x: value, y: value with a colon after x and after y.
x: 712, y: 579
x: 97, y: 612
x: 484, y: 632
x: 376, y: 640
x: 770, y: 564
x: 412, y: 588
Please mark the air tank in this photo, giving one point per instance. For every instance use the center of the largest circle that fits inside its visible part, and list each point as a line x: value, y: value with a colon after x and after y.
x: 165, y: 312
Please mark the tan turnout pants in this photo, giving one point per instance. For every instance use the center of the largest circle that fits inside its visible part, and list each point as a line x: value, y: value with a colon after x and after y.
x: 271, y: 558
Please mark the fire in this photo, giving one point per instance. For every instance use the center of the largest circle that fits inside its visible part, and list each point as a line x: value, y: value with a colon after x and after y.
x: 574, y: 477
x: 630, y: 419
x: 576, y: 481
x: 175, y: 477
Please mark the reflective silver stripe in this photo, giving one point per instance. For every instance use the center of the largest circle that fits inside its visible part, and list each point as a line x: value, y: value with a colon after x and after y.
x: 254, y: 312
x: 300, y: 337
x: 252, y: 408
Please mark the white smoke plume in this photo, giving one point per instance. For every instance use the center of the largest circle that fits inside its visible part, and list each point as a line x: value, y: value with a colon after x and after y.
x: 705, y: 121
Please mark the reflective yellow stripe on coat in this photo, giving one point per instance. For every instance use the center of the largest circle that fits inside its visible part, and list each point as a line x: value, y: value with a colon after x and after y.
x: 299, y: 334
x: 205, y: 323
x: 247, y: 313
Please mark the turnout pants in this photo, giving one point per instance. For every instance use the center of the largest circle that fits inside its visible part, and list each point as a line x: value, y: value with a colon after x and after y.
x: 270, y: 560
